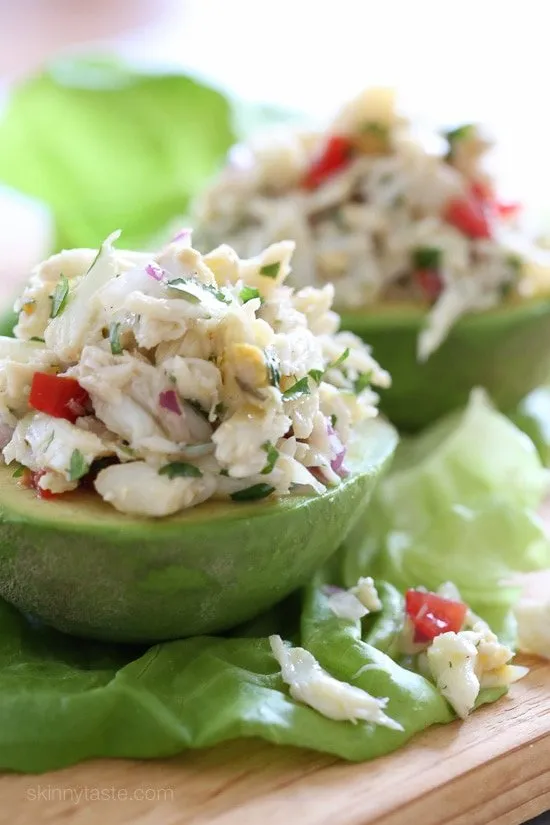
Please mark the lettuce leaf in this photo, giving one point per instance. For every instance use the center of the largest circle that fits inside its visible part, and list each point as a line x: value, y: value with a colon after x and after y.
x: 108, y: 145
x: 460, y: 504
x: 63, y: 700
x: 533, y: 417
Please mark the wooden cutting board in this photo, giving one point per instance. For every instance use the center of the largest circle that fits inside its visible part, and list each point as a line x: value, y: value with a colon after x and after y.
x: 493, y: 769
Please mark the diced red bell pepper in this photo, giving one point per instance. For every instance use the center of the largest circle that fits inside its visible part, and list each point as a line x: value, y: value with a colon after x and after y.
x: 482, y: 191
x: 335, y: 156
x: 31, y: 479
x: 432, y: 615
x: 507, y: 210
x: 468, y: 215
x: 429, y: 282
x: 58, y: 396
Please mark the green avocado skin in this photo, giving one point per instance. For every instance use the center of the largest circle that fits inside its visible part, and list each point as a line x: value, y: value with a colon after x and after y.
x: 80, y: 566
x: 506, y: 350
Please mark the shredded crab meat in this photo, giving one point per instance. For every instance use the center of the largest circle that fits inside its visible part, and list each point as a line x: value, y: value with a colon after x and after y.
x: 362, y: 220
x: 203, y: 376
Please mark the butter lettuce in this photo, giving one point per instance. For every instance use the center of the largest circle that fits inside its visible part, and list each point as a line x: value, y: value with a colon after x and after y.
x: 460, y: 504
x: 63, y: 700
x: 533, y: 417
x: 107, y: 144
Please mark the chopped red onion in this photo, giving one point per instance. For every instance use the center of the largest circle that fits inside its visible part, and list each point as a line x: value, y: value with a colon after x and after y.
x: 332, y: 589
x: 168, y: 400
x: 183, y: 235
x: 155, y: 271
x: 337, y: 463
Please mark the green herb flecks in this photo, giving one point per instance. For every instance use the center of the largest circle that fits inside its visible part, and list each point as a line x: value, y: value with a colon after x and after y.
x: 60, y: 296
x: 196, y: 407
x: 220, y: 410
x: 224, y: 473
x: 18, y: 472
x: 273, y: 366
x: 316, y: 375
x: 254, y: 493
x: 126, y: 450
x: 114, y: 338
x: 362, y: 382
x: 334, y: 420
x: 270, y: 270
x: 248, y: 293
x: 78, y: 466
x: 180, y: 469
x: 272, y: 456
x: 36, y: 338
x: 373, y: 127
x: 217, y: 293
x: 182, y: 286
x: 427, y: 257
x: 339, y: 361
x: 297, y: 390
x: 464, y: 132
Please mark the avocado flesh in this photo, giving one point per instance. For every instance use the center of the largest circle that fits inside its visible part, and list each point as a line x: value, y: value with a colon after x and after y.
x: 82, y: 567
x: 505, y: 350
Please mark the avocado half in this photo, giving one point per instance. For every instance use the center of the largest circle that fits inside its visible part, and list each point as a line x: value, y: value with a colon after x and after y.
x: 505, y: 350
x: 82, y: 567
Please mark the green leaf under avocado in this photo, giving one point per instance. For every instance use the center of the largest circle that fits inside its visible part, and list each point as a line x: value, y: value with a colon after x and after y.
x: 460, y: 504
x: 180, y: 469
x: 533, y: 417
x: 108, y: 145
x: 75, y: 699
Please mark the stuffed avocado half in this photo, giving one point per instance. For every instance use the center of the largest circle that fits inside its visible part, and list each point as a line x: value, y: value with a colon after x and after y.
x: 187, y: 439
x: 423, y: 252
x: 88, y: 570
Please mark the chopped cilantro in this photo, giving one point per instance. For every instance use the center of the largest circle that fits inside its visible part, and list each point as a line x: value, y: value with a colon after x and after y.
x: 465, y: 132
x: 253, y: 493
x: 317, y: 375
x: 297, y: 390
x: 334, y: 420
x: 270, y: 270
x: 217, y: 293
x: 248, y: 293
x: 127, y: 450
x: 114, y: 338
x: 197, y: 407
x: 95, y: 260
x: 180, y: 469
x: 220, y: 409
x: 60, y: 296
x: 273, y: 366
x: 372, y: 127
x: 36, y: 338
x: 362, y: 382
x: 339, y: 361
x: 19, y: 472
x: 427, y: 257
x: 181, y: 285
x: 78, y: 466
x: 272, y: 456
x: 225, y: 473
x: 515, y: 263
